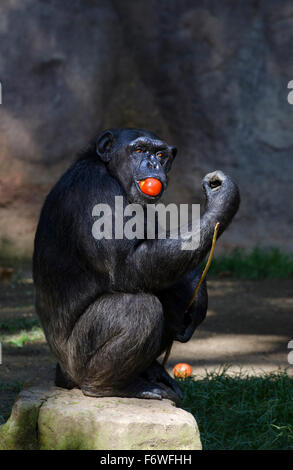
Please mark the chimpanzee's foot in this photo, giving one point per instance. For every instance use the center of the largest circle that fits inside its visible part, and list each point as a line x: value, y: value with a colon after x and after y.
x: 142, y: 388
x: 139, y: 388
x: 156, y: 374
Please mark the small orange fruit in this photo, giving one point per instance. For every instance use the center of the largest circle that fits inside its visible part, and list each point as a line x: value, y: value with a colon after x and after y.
x: 150, y: 186
x: 182, y: 370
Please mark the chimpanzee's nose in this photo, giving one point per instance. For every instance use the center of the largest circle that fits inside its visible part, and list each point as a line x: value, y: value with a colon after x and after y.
x: 153, y: 162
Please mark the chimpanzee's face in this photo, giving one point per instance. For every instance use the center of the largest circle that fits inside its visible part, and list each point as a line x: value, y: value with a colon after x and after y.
x: 139, y: 160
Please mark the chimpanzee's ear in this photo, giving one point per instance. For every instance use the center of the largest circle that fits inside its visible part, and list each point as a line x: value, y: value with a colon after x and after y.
x: 104, y: 145
x: 173, y: 151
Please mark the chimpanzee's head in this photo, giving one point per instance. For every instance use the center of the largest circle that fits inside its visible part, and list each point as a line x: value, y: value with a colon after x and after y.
x: 139, y: 160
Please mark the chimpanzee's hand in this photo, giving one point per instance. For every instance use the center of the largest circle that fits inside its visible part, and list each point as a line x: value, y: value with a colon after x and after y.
x: 216, y: 182
x: 221, y: 190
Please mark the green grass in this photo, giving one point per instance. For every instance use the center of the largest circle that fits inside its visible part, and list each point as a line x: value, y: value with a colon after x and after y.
x: 259, y: 263
x: 240, y: 412
x: 20, y: 331
x: 23, y: 337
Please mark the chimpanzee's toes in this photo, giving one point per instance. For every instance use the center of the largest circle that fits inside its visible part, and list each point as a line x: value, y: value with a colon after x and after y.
x: 166, y: 379
x: 158, y: 391
x: 170, y: 394
x: 142, y: 388
x: 156, y: 373
x: 154, y: 394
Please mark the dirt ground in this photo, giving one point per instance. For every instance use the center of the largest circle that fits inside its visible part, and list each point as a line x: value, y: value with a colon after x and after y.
x: 249, y: 325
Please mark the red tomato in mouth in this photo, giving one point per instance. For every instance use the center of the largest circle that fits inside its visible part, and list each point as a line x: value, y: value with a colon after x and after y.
x: 150, y: 186
x: 182, y: 370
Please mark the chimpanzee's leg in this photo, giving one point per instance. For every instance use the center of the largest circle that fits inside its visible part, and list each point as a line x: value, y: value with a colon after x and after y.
x: 180, y: 326
x: 114, y: 342
x: 62, y: 379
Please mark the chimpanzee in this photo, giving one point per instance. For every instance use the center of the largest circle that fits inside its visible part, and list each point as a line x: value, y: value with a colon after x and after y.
x: 111, y: 307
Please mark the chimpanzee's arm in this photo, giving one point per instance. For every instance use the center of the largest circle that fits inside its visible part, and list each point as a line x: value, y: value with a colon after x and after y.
x: 157, y: 264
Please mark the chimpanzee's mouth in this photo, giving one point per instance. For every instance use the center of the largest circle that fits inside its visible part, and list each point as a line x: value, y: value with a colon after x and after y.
x: 150, y: 187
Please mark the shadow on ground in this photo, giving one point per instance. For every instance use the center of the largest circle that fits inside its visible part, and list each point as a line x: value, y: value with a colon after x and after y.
x: 249, y: 325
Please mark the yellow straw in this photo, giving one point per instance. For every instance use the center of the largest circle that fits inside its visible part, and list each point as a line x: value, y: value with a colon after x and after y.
x: 203, y: 275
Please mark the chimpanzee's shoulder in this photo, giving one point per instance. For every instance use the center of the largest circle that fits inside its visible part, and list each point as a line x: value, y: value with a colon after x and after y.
x: 87, y: 153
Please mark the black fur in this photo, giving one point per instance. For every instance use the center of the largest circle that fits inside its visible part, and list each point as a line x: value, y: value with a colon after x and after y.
x: 109, y: 308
